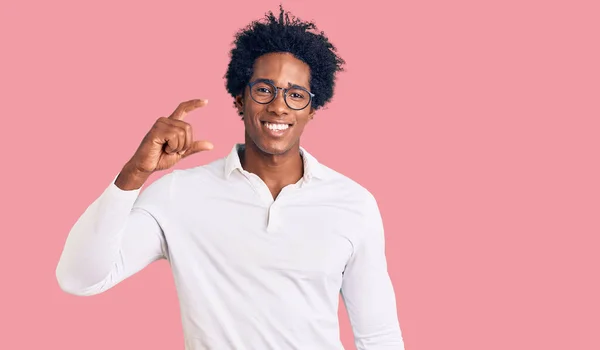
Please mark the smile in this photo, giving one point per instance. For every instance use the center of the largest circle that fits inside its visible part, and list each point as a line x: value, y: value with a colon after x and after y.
x: 276, y: 129
x: 276, y: 126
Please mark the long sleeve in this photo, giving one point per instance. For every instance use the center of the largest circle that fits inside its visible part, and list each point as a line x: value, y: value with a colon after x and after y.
x: 367, y: 289
x: 115, y: 237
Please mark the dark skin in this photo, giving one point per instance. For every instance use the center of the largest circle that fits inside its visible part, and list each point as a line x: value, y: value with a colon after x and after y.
x: 274, y: 158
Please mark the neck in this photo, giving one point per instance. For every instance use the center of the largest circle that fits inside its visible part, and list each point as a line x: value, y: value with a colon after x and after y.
x: 277, y: 171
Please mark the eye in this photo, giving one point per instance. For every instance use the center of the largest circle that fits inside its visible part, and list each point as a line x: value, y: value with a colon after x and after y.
x: 262, y: 90
x: 297, y: 94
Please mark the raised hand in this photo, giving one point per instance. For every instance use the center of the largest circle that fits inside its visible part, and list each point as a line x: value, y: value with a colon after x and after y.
x: 169, y: 140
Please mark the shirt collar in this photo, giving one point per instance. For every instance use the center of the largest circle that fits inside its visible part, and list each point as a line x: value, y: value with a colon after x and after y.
x: 312, y: 167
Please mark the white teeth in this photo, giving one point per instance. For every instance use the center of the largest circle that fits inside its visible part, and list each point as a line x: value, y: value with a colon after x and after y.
x: 277, y: 126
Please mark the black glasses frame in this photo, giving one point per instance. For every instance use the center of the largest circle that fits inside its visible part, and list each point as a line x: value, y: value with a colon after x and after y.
x: 285, y: 91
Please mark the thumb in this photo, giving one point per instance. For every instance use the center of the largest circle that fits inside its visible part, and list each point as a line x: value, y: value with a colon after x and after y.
x: 198, y: 146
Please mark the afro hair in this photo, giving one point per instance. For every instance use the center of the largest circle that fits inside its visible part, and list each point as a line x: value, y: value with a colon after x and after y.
x: 284, y: 34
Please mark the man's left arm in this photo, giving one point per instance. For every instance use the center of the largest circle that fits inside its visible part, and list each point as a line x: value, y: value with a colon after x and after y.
x: 367, y: 289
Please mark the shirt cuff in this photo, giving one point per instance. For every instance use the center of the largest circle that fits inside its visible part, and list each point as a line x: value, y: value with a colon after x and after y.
x: 125, y: 196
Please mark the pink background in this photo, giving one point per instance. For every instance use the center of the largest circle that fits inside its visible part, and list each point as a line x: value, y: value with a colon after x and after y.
x: 474, y: 123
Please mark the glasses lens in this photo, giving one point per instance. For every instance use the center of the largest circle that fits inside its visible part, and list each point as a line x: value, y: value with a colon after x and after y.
x: 262, y: 92
x: 297, y: 98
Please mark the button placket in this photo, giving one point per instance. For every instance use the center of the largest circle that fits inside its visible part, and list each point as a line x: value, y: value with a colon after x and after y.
x: 273, y: 219
x: 274, y: 222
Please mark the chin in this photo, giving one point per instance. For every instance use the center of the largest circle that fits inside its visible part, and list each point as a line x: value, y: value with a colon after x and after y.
x: 274, y: 148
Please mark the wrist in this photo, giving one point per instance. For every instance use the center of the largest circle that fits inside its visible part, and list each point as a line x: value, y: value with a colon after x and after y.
x: 131, y: 178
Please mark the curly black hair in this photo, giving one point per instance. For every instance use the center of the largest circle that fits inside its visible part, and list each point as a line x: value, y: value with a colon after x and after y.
x: 290, y: 35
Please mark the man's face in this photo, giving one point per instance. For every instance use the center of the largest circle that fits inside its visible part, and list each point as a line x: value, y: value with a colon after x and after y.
x: 275, y: 128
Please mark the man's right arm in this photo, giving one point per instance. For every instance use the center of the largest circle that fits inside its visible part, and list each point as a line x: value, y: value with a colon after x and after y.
x: 119, y: 233
x: 117, y: 236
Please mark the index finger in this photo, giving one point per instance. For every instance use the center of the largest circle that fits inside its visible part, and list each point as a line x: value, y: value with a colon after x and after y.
x: 186, y: 107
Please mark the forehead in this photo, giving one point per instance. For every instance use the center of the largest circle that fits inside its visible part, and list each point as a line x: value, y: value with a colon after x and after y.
x: 282, y: 68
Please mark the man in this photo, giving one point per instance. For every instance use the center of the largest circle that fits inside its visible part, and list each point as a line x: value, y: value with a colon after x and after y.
x: 262, y: 242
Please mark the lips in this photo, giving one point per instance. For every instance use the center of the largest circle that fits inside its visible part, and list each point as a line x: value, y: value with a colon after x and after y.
x: 276, y: 122
x: 276, y: 129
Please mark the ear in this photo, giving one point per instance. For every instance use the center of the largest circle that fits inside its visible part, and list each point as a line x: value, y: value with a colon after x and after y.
x: 311, y: 114
x: 239, y: 104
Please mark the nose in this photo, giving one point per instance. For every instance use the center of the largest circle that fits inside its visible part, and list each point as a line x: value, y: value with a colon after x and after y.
x: 278, y: 105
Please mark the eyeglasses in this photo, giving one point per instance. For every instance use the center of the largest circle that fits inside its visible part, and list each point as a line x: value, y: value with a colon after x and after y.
x: 295, y: 97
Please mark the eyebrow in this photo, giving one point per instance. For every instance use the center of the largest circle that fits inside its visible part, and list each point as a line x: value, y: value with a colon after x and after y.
x: 289, y: 84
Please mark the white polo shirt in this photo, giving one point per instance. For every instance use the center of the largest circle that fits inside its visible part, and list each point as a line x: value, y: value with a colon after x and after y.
x: 250, y: 272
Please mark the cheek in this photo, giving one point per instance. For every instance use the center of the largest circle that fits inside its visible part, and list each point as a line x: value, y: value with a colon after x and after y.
x: 253, y: 109
x: 301, y: 124
x: 252, y: 116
